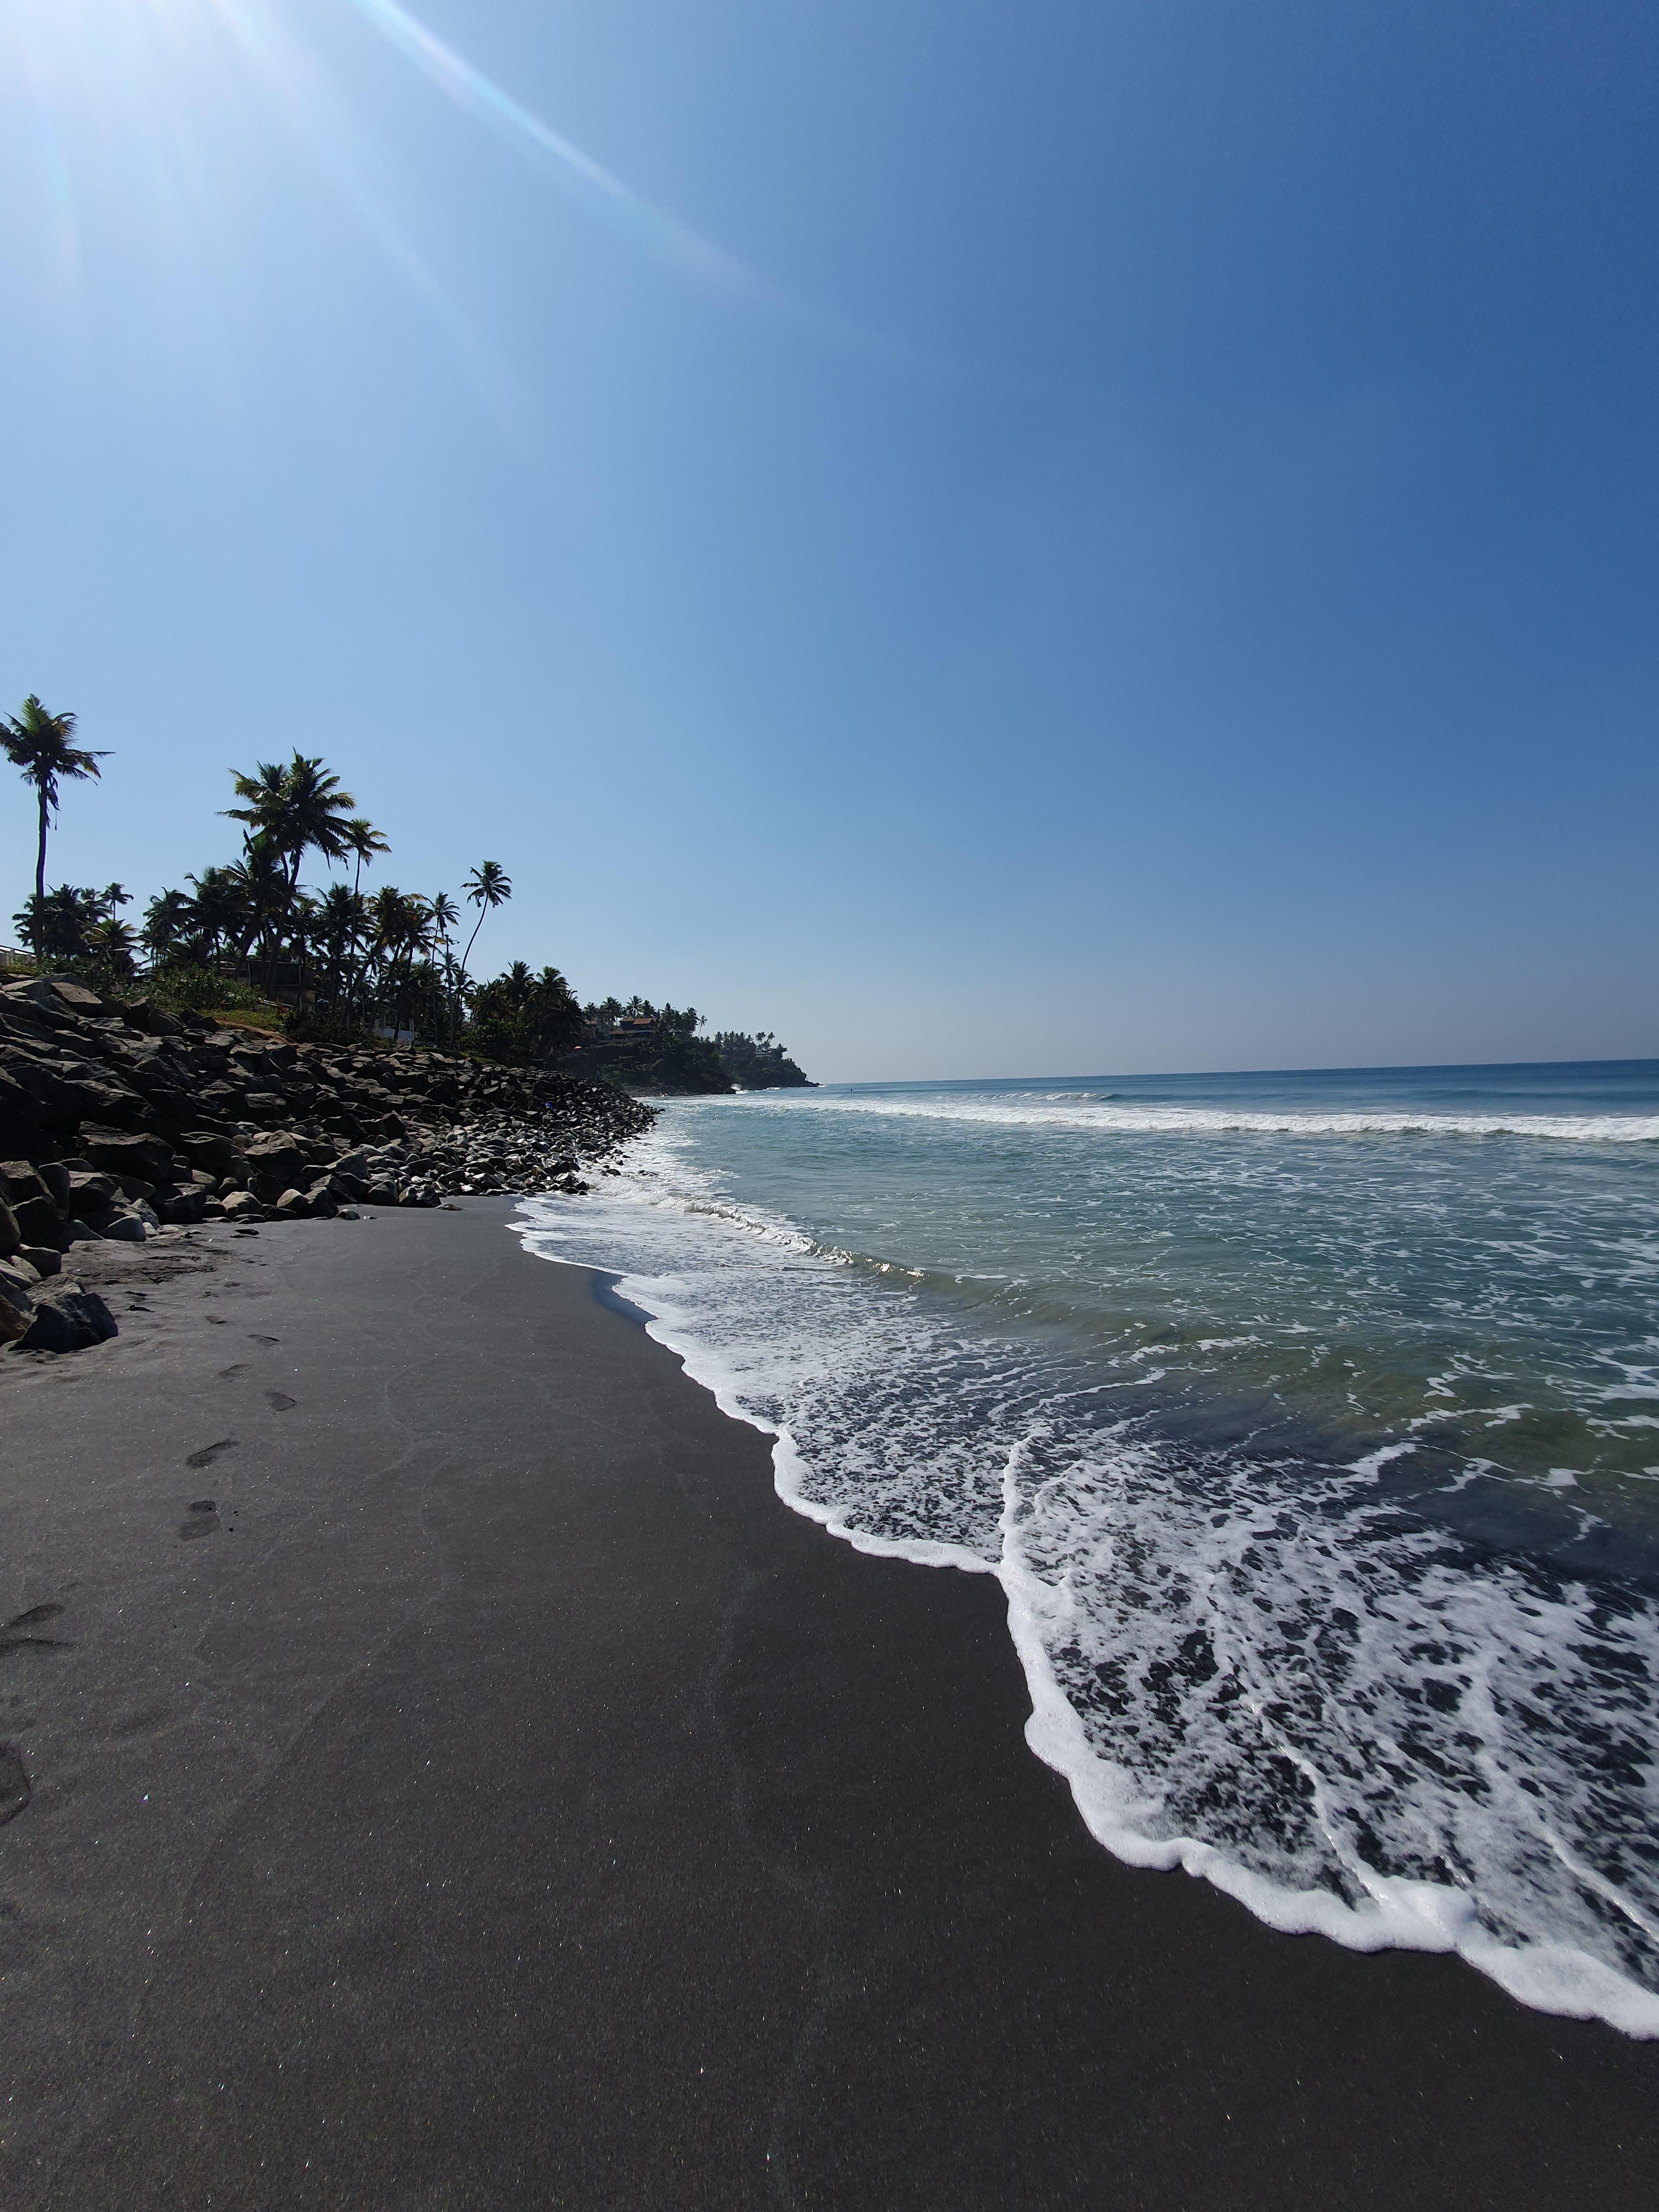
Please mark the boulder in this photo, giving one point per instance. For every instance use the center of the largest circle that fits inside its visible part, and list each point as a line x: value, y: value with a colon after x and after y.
x: 16, y: 1317
x: 279, y: 1156
x: 93, y: 1196
x: 148, y: 1158
x: 111, y: 1107
x: 19, y: 1182
x: 67, y: 1318
x: 242, y: 1206
x: 126, y: 1227
x: 153, y: 1020
x: 40, y: 1221
x: 73, y: 998
x: 293, y: 1205
x: 45, y: 1258
x: 207, y: 1149
x: 11, y: 1236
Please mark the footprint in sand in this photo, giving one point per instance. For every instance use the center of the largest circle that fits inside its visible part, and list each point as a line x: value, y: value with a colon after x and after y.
x: 16, y: 1636
x: 279, y: 1402
x: 200, y: 1519
x: 14, y: 1792
x: 240, y: 1368
x: 208, y: 1453
x: 253, y: 1339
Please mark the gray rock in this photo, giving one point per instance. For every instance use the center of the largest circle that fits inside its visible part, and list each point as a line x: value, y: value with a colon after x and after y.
x: 206, y: 1150
x: 68, y: 1318
x: 45, y: 1258
x: 16, y: 1318
x: 20, y: 1182
x: 126, y: 1227
x: 148, y: 1158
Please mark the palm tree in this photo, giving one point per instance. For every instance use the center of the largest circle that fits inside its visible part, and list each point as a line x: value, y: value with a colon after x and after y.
x: 363, y: 839
x: 487, y: 886
x: 339, y: 926
x: 291, y: 810
x: 296, y: 807
x: 40, y: 744
x: 218, y: 909
x: 446, y: 917
x: 166, y: 920
x: 112, y: 941
x: 402, y: 923
x: 259, y: 883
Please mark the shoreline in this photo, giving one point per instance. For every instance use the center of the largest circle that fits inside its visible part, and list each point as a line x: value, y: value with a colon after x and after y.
x: 1399, y: 1914
x: 513, y: 1801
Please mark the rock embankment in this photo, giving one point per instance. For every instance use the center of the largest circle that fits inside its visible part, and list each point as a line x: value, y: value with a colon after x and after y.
x: 116, y: 1119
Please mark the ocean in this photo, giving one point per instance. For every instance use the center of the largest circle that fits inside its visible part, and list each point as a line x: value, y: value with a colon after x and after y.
x: 1310, y: 1422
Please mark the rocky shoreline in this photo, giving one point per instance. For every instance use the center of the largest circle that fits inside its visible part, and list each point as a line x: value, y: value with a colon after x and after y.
x: 117, y: 1121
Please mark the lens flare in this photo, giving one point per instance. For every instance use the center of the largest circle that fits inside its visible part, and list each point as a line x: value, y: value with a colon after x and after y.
x: 602, y: 192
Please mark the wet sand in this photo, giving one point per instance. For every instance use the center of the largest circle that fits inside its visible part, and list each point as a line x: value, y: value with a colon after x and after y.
x: 454, y: 1780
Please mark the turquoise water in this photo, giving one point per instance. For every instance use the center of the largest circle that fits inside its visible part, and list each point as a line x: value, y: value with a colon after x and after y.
x: 1310, y: 1422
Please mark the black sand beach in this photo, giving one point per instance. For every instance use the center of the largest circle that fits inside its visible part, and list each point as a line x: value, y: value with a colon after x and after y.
x: 455, y: 1780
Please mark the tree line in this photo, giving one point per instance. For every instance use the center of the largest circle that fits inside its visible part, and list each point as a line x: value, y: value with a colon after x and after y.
x: 342, y: 961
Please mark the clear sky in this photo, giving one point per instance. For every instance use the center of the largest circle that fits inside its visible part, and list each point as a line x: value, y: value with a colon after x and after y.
x: 1065, y: 536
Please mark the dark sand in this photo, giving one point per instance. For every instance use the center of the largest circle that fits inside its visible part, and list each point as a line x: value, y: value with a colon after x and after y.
x: 497, y: 1798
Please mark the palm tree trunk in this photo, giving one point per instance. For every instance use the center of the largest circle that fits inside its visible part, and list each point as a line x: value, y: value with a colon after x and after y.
x: 40, y: 886
x: 460, y: 984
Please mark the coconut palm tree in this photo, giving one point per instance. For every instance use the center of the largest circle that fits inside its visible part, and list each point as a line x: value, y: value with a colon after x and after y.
x: 259, y: 883
x: 292, y: 809
x: 41, y: 745
x: 401, y: 922
x: 363, y: 839
x: 340, y: 924
x: 114, y: 941
x: 446, y: 919
x: 218, y: 910
x: 297, y: 807
x: 167, y: 921
x: 487, y: 886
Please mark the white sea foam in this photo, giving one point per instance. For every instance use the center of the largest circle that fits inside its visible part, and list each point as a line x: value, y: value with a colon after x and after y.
x: 1078, y: 1110
x: 1261, y: 1673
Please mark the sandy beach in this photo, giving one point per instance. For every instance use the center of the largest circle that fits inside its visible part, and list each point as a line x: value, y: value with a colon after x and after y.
x: 446, y: 1775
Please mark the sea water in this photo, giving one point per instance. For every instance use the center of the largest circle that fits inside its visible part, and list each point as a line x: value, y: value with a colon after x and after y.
x: 1311, y: 1423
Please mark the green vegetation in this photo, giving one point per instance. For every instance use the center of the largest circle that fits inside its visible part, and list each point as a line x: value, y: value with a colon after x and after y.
x: 658, y: 1049
x: 41, y: 745
x: 758, y: 1063
x: 248, y: 938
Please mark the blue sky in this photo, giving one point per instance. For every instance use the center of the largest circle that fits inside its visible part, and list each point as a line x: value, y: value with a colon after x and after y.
x: 987, y: 539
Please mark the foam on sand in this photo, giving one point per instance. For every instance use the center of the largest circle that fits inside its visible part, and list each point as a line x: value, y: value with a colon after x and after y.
x: 1263, y: 1670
